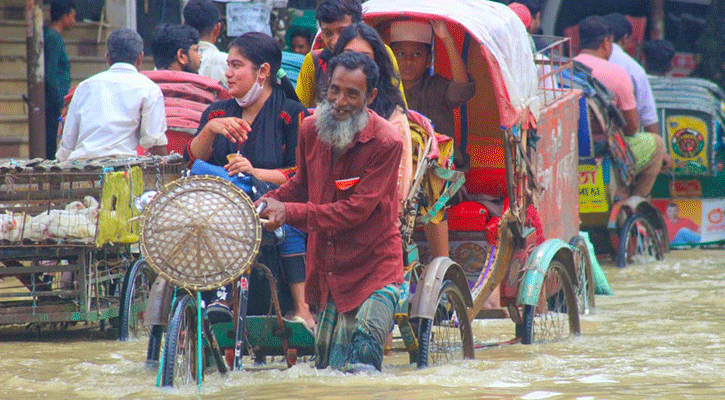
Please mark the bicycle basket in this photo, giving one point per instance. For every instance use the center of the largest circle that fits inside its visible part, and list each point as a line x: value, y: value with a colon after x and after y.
x: 200, y: 232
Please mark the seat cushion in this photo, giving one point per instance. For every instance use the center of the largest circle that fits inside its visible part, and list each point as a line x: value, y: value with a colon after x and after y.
x: 486, y: 180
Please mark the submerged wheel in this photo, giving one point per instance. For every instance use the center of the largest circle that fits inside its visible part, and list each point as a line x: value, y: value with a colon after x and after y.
x: 638, y: 242
x: 448, y: 335
x: 585, y: 288
x: 135, y: 292
x: 180, y: 359
x: 555, y: 317
x: 153, y: 349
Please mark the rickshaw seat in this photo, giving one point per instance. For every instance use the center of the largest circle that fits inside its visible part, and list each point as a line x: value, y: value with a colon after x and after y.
x: 490, y: 181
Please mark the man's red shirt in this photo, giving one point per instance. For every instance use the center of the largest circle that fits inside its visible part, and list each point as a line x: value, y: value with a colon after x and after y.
x: 349, y: 211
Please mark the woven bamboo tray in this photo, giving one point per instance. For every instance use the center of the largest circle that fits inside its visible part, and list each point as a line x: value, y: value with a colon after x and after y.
x: 200, y: 232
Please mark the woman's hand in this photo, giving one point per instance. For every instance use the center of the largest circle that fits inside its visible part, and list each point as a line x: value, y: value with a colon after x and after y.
x: 234, y: 129
x: 238, y: 163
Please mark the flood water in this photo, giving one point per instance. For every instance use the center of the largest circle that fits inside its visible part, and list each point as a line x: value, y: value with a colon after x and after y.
x: 659, y: 336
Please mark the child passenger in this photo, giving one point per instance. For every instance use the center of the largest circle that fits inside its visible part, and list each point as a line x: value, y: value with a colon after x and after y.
x: 434, y: 96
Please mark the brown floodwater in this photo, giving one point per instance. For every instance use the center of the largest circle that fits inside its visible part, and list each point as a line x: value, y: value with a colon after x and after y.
x: 659, y: 336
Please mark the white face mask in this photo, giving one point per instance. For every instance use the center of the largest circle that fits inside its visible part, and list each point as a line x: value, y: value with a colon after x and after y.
x: 252, y: 95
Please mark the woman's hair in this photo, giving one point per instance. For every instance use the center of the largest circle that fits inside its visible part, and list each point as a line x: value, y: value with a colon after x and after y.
x: 389, y: 96
x: 260, y: 48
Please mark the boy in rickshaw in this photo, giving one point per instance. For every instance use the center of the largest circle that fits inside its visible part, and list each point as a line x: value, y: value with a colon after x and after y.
x: 434, y: 96
x: 345, y: 196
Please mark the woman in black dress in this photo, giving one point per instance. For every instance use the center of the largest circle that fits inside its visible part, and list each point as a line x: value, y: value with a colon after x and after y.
x: 255, y: 133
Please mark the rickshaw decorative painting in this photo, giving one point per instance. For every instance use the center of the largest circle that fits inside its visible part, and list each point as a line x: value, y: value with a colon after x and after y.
x: 691, y: 195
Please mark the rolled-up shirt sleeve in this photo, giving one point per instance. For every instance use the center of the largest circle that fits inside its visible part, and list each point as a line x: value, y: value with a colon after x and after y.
x: 153, y: 120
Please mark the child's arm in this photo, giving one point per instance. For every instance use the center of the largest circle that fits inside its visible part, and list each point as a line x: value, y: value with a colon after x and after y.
x: 458, y: 68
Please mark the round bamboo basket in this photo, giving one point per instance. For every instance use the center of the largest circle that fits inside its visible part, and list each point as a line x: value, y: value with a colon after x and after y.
x: 200, y: 232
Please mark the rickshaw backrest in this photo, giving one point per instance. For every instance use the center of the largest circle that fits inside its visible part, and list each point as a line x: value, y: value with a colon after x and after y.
x: 692, y: 120
x: 186, y: 96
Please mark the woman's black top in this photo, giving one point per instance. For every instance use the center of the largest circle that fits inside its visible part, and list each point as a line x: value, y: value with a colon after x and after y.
x: 272, y: 142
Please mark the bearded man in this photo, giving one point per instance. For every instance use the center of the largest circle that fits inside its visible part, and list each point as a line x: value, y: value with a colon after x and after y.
x: 345, y: 196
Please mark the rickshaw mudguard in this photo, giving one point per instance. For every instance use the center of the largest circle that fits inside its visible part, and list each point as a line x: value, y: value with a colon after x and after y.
x: 425, y: 301
x: 538, y: 263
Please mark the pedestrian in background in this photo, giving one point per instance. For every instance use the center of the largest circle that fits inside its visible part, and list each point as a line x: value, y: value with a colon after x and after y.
x: 57, y: 69
x: 203, y: 15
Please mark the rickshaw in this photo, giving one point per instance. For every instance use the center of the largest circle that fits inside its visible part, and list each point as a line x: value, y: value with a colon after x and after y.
x: 521, y: 138
x: 68, y: 240
x: 629, y: 229
x: 691, y: 195
x: 522, y: 236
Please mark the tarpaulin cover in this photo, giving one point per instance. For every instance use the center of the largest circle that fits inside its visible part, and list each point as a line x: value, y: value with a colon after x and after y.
x: 503, y: 38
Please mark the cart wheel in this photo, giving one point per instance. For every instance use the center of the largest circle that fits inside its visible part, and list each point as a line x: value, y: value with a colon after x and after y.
x: 585, y: 277
x: 153, y: 349
x: 136, y: 287
x: 556, y: 316
x: 638, y: 242
x: 448, y: 335
x: 180, y: 361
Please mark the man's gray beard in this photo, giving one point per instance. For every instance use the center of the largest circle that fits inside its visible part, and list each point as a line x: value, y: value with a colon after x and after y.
x: 338, y: 134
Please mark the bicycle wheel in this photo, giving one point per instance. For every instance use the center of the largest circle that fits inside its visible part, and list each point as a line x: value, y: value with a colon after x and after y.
x: 180, y: 359
x: 638, y: 242
x: 448, y: 335
x: 153, y: 349
x: 555, y: 317
x: 585, y: 277
x: 136, y: 288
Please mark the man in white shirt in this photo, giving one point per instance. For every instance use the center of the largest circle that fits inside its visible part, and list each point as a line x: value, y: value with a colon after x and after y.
x: 622, y: 31
x: 115, y: 111
x: 203, y: 15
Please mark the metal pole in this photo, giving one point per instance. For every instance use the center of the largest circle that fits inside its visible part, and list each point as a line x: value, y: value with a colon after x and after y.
x: 36, y: 77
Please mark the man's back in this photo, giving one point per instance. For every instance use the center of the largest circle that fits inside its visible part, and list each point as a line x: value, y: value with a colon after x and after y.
x: 642, y: 90
x: 614, y: 78
x: 112, y: 113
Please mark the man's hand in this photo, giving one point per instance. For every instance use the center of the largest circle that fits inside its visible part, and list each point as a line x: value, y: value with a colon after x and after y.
x: 234, y: 129
x: 274, y: 213
x: 238, y: 163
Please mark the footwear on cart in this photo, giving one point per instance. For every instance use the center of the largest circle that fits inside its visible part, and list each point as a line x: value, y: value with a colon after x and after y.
x: 219, y: 311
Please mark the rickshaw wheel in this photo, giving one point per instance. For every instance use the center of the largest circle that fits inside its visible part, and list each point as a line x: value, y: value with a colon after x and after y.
x: 136, y: 288
x: 180, y: 359
x: 555, y: 317
x: 448, y: 336
x: 585, y: 290
x: 638, y: 242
